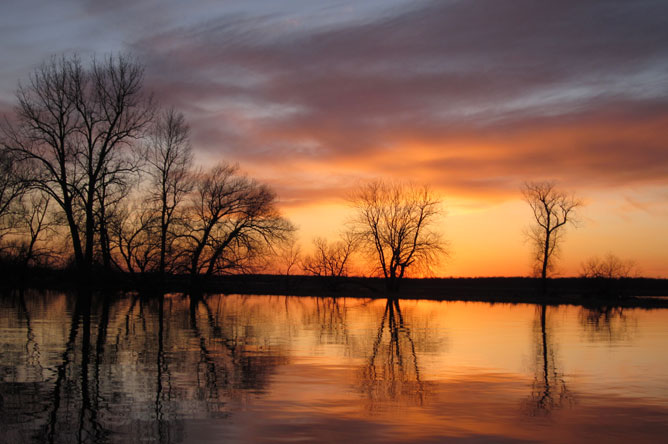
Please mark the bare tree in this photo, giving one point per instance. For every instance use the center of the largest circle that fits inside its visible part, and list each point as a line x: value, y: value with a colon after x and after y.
x: 330, y: 259
x: 25, y: 229
x: 288, y: 256
x: 35, y: 224
x: 73, y: 127
x: 12, y: 188
x: 552, y: 210
x: 230, y: 218
x: 134, y: 238
x: 169, y: 158
x: 396, y: 222
x: 610, y: 267
x: 111, y: 195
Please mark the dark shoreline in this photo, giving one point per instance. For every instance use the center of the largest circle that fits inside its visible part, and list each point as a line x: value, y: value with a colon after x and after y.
x: 626, y: 292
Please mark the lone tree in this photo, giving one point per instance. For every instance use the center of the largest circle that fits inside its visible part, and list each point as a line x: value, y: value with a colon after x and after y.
x: 395, y: 222
x: 73, y: 126
x: 552, y: 210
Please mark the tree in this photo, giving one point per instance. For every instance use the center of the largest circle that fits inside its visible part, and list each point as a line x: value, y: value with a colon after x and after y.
x: 330, y: 259
x: 134, y: 238
x: 396, y: 224
x: 12, y: 189
x: 111, y: 195
x: 288, y: 255
x: 169, y: 159
x: 552, y: 210
x: 35, y: 222
x: 610, y: 267
x: 73, y: 125
x: 228, y: 221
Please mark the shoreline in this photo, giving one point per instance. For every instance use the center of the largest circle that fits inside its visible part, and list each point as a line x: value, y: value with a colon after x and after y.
x: 586, y: 292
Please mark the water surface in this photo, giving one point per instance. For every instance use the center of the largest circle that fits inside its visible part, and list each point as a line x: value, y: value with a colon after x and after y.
x: 231, y: 368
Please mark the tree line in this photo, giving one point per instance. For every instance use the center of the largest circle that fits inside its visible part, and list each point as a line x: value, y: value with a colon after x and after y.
x: 89, y: 154
x: 94, y: 174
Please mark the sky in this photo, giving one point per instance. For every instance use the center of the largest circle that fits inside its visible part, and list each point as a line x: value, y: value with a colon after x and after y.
x: 473, y: 97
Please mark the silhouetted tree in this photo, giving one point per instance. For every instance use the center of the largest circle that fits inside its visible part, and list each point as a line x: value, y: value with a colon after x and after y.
x: 169, y: 158
x: 73, y: 125
x: 34, y: 223
x: 552, y: 210
x: 135, y: 238
x: 111, y: 195
x: 230, y: 218
x: 288, y: 255
x: 330, y: 259
x: 396, y: 223
x: 12, y: 188
x: 607, y: 277
x: 610, y: 267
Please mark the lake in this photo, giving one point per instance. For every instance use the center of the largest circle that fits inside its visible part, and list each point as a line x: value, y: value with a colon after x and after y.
x: 231, y: 368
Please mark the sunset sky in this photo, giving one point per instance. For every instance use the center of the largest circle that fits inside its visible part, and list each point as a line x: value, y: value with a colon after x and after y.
x: 472, y: 97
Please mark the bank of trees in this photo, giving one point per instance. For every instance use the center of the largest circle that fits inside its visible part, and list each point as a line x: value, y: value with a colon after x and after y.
x: 88, y: 151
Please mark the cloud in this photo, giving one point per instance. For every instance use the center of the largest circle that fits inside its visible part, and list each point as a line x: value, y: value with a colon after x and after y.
x: 472, y: 96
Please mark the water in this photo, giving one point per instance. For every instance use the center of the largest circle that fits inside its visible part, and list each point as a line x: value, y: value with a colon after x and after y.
x: 292, y: 369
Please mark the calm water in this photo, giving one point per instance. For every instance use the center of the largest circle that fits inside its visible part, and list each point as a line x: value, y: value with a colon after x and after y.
x: 288, y: 369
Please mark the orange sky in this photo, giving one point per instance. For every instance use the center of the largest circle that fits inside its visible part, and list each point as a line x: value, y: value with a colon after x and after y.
x: 486, y: 237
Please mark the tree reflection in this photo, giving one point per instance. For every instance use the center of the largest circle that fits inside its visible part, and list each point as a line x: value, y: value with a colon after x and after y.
x: 608, y: 324
x: 162, y: 372
x: 135, y: 365
x: 32, y: 348
x: 392, y: 372
x: 548, y: 390
x: 327, y: 316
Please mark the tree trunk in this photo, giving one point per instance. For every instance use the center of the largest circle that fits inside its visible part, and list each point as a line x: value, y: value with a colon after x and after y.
x: 90, y: 230
x: 74, y: 230
x: 546, y: 253
x: 163, y: 235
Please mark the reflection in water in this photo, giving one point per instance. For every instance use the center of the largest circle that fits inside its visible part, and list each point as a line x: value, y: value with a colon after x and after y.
x: 329, y: 317
x: 392, y: 372
x: 188, y: 368
x: 140, y: 370
x: 548, y: 390
x: 608, y: 324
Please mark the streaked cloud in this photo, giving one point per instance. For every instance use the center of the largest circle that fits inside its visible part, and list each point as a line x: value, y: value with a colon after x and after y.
x: 574, y: 90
